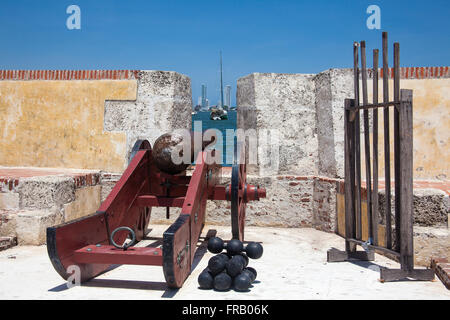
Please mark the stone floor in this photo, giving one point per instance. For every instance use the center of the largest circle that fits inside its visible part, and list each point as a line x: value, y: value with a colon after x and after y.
x: 293, y: 267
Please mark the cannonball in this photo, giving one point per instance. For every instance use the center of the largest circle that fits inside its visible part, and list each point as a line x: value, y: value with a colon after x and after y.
x: 222, y: 281
x: 205, y: 280
x: 242, y: 282
x: 234, y: 266
x: 234, y: 246
x: 169, y: 145
x: 242, y: 254
x: 254, y: 250
x: 224, y: 256
x: 243, y: 260
x: 250, y: 272
x: 215, y: 245
x: 216, y: 265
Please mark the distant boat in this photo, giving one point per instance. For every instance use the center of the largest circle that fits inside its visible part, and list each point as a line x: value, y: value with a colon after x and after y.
x: 224, y: 115
x: 218, y: 114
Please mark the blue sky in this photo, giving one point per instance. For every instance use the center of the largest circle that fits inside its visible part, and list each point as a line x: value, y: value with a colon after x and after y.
x: 186, y: 36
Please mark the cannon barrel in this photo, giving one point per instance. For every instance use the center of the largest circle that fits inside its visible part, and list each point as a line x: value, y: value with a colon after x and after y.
x: 169, y: 143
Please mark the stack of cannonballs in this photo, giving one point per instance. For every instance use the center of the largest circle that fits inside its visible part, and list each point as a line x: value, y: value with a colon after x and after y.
x: 230, y: 269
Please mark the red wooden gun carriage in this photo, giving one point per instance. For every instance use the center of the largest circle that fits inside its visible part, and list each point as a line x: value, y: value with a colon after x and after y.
x: 91, y: 242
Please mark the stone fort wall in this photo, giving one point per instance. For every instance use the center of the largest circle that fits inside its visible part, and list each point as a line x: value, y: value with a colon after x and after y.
x: 308, y: 112
x: 87, y: 119
x: 307, y: 188
x: 90, y: 119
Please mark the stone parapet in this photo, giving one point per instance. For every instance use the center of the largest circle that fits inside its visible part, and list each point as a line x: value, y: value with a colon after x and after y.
x: 87, y: 119
x: 284, y: 105
x: 163, y: 104
x: 32, y: 199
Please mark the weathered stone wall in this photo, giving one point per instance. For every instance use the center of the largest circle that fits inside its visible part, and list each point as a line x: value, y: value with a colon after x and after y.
x: 59, y: 123
x: 431, y: 115
x: 163, y: 104
x: 77, y: 119
x: 430, y: 216
x: 28, y: 205
x: 284, y: 103
x: 325, y: 204
x: 59, y: 119
x: 308, y: 111
x: 303, y: 186
x: 289, y: 203
x: 333, y: 86
x: 305, y: 110
x: 431, y: 207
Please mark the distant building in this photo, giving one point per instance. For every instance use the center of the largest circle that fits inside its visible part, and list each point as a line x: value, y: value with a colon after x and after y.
x: 204, y: 99
x: 228, y: 96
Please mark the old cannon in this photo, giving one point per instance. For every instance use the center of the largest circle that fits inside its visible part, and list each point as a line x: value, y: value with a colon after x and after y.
x: 95, y: 242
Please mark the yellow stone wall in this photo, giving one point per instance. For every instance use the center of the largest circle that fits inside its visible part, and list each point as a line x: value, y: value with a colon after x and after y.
x: 425, y: 248
x: 431, y: 123
x: 340, y: 198
x: 87, y: 201
x: 60, y: 124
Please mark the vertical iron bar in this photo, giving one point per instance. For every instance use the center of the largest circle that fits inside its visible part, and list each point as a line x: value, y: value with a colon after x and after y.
x: 366, y: 141
x: 387, y: 153
x: 375, y: 150
x: 406, y: 174
x: 357, y: 143
x: 398, y: 181
x: 349, y: 176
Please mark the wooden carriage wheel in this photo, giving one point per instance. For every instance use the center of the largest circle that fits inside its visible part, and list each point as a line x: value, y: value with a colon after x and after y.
x: 238, y: 193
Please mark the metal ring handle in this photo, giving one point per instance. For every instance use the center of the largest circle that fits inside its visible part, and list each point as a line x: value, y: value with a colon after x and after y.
x: 124, y: 246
